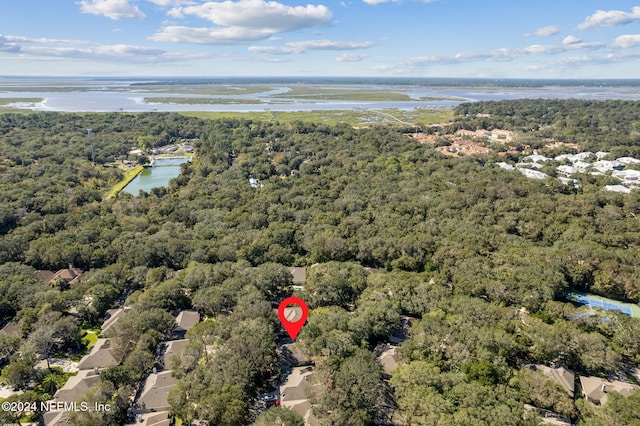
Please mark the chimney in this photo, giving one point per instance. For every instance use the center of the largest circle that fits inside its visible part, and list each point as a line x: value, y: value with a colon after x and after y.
x: 604, y: 388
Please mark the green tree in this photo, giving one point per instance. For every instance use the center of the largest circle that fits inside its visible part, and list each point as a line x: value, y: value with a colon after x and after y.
x: 279, y: 416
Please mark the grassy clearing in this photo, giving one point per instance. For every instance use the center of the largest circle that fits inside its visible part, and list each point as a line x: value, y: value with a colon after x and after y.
x: 90, y: 338
x: 419, y: 116
x: 128, y: 177
x: 200, y: 101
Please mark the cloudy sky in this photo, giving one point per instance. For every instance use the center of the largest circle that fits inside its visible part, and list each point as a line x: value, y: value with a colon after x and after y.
x: 418, y: 38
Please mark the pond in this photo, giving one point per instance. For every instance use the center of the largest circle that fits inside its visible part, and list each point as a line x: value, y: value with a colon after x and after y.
x: 595, y: 301
x: 163, y: 170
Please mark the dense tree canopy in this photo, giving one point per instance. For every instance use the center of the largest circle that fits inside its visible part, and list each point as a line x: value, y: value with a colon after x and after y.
x: 477, y: 259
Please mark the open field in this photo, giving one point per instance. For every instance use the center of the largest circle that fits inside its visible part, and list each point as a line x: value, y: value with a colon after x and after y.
x: 201, y: 101
x: 420, y: 116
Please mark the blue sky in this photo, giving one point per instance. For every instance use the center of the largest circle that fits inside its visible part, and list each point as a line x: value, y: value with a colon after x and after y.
x: 417, y: 38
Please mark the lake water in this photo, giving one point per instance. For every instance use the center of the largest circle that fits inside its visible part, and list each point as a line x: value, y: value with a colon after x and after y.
x: 158, y: 176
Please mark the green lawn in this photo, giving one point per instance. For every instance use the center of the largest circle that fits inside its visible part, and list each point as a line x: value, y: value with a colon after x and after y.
x: 90, y: 338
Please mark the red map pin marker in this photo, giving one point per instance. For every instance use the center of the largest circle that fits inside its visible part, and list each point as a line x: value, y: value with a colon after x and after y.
x: 292, y: 319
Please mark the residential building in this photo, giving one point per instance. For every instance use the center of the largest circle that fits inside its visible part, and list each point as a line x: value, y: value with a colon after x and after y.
x: 100, y: 356
x: 595, y: 389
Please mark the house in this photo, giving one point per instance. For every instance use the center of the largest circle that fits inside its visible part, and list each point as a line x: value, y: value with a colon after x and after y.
x: 536, y: 158
x: 292, y: 354
x: 100, y: 356
x: 169, y: 349
x: 155, y: 392
x: 533, y: 166
x: 299, y: 275
x: 533, y: 174
x: 617, y: 188
x: 184, y: 322
x: 608, y: 166
x: 505, y: 166
x: 561, y: 375
x: 627, y: 175
x: 584, y: 155
x: 567, y: 171
x: 566, y: 157
x: 69, y: 276
x: 75, y: 388
x: 294, y: 393
x: 582, y: 166
x: 595, y: 389
x: 113, y: 316
x: 628, y: 160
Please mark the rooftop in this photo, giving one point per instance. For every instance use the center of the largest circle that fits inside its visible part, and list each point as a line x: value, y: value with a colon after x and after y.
x: 156, y: 390
x: 595, y: 389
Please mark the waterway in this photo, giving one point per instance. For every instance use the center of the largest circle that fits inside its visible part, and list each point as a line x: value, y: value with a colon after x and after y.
x: 163, y: 170
x: 80, y: 95
x: 595, y: 301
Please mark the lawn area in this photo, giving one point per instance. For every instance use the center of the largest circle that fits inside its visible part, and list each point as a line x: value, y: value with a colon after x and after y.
x: 357, y: 118
x: 128, y: 177
x: 90, y: 338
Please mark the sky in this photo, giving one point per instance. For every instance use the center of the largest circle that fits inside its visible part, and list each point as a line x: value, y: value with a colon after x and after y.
x: 390, y: 38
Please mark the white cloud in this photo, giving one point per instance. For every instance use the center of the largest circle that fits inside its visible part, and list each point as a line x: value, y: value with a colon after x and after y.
x: 571, y: 40
x: 350, y: 57
x: 374, y: 2
x: 539, y: 49
x: 212, y: 36
x: 497, y: 55
x: 170, y: 2
x: 59, y: 49
x: 626, y: 41
x: 21, y: 39
x: 547, y: 31
x: 113, y: 9
x: 610, y: 18
x: 298, y: 47
x: 260, y: 14
x: 242, y: 21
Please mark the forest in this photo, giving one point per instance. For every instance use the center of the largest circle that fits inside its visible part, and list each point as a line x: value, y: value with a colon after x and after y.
x: 475, y: 258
